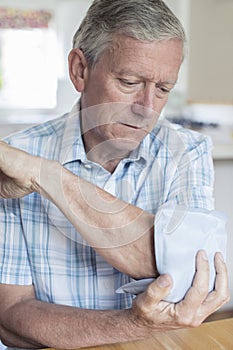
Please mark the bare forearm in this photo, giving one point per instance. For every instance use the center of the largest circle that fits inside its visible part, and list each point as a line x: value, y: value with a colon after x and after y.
x: 60, y: 326
x: 120, y: 232
x: 38, y: 324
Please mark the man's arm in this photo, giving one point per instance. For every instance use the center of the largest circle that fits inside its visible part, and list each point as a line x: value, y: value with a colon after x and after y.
x: 120, y: 232
x: 29, y: 323
x: 26, y: 322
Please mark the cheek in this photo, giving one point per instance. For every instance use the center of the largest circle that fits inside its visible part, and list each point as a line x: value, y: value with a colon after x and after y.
x: 159, y: 104
x: 108, y: 91
x: 95, y: 91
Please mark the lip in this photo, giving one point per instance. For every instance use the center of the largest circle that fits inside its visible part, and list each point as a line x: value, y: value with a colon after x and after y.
x: 135, y: 127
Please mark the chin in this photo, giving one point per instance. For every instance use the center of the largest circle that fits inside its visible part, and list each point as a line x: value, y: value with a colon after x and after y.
x: 125, y: 145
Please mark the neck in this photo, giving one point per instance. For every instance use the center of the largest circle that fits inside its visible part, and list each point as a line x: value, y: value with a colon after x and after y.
x: 104, y: 153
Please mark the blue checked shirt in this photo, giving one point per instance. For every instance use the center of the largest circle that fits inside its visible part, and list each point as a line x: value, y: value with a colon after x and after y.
x: 39, y: 246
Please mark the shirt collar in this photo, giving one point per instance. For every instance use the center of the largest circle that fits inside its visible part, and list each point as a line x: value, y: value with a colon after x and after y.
x: 148, y: 148
x: 72, y: 147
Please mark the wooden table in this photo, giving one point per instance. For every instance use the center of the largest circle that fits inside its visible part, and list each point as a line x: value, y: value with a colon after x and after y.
x: 216, y: 335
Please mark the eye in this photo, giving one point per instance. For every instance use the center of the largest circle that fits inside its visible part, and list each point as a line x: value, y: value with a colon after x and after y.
x: 164, y: 90
x: 127, y: 82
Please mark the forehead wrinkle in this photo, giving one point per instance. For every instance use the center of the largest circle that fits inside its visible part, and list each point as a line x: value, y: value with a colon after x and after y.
x: 119, y: 51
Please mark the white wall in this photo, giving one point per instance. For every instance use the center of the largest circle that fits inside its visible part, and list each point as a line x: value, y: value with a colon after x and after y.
x: 178, y: 96
x: 211, y: 52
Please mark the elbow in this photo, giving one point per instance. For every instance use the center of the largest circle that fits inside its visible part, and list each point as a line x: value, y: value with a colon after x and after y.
x: 5, y: 337
x: 11, y: 340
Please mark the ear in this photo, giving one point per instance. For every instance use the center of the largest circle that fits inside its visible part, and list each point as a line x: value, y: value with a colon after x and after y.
x: 78, y: 69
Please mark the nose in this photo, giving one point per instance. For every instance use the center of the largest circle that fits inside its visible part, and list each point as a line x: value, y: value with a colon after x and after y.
x: 146, y: 97
x: 145, y: 102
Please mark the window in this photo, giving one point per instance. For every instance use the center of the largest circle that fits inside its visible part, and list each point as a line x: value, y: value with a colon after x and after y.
x: 28, y: 56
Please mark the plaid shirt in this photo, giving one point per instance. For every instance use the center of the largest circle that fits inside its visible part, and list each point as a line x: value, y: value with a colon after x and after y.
x: 39, y: 246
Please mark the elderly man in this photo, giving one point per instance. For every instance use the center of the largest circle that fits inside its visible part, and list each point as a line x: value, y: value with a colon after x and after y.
x: 112, y: 169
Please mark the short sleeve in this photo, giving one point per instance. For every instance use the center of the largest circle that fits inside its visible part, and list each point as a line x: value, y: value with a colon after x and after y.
x: 14, y: 262
x: 192, y: 185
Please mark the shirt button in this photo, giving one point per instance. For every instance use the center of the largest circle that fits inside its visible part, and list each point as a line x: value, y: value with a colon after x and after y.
x: 87, y: 166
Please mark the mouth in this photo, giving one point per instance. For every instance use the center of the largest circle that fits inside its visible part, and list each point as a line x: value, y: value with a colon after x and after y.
x: 135, y: 127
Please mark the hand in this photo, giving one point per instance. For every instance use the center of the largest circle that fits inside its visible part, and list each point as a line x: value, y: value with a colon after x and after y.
x: 18, y: 172
x: 149, y: 311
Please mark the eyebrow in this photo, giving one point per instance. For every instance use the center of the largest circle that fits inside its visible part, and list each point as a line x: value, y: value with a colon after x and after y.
x: 141, y: 76
x: 168, y: 82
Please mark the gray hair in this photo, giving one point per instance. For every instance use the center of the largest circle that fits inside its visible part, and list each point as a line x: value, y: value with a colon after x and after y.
x: 146, y: 20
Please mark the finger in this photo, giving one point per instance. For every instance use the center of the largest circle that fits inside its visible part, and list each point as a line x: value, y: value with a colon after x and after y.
x: 221, y: 282
x: 200, y: 286
x: 156, y: 291
x: 221, y: 293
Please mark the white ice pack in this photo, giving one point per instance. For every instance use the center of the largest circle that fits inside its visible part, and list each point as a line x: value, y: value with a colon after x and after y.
x: 179, y: 233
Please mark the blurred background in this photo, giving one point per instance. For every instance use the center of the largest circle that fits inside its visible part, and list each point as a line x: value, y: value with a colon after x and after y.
x: 35, y: 39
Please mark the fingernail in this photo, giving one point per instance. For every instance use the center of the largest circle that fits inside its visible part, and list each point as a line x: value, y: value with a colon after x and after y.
x: 163, y: 281
x: 204, y: 255
x: 220, y: 256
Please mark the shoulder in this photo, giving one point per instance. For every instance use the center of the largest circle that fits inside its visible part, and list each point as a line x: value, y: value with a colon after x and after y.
x: 35, y: 139
x: 177, y: 139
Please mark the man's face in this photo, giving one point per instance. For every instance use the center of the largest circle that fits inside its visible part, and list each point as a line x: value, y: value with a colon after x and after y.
x: 127, y: 89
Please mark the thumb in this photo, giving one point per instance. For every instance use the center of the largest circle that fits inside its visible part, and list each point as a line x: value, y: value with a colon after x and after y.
x: 157, y: 290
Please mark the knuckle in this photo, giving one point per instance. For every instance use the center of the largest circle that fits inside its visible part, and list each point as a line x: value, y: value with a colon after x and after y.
x: 188, y: 318
x: 184, y: 319
x: 187, y: 321
x: 143, y: 309
x: 140, y: 305
x: 191, y: 321
x: 228, y: 298
x: 142, y: 316
x: 223, y: 297
x: 228, y: 294
x: 196, y: 323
